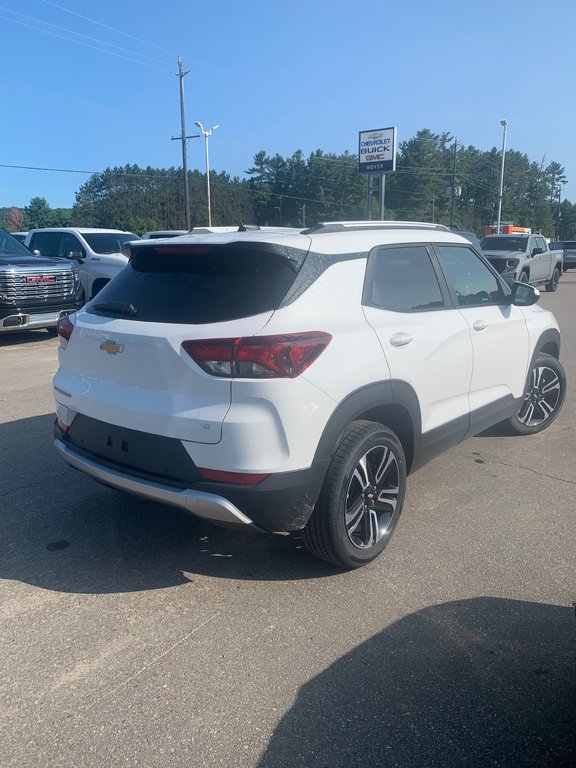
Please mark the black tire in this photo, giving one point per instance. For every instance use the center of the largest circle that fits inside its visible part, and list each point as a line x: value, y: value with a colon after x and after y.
x: 543, y: 397
x: 361, y: 499
x: 553, y: 284
x: 523, y: 277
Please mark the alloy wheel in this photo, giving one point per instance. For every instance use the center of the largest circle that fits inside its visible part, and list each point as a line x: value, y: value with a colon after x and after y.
x: 372, y: 497
x: 542, y: 397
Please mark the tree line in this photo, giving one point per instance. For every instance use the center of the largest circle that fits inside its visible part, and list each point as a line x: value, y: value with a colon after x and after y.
x: 436, y: 179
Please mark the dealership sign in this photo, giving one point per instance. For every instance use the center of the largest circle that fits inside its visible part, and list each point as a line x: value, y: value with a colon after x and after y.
x: 377, y: 151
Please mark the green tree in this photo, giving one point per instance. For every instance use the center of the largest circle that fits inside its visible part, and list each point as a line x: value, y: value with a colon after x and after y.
x: 38, y: 214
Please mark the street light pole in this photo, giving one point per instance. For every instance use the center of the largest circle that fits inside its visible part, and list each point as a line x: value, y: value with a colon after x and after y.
x: 206, y: 133
x: 504, y: 124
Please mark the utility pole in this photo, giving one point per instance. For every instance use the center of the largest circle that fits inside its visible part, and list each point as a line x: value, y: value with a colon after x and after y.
x: 183, y: 138
x: 453, y: 184
x: 558, y: 216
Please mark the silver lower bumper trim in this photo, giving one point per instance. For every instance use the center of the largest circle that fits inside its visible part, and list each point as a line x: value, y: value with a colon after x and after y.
x: 205, y: 505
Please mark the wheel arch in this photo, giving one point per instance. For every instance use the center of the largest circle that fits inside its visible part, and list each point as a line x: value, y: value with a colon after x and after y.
x: 393, y: 404
x: 97, y: 285
x: 548, y: 344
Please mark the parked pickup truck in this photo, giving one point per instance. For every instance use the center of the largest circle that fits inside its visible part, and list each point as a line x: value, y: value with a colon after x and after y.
x: 526, y: 258
x: 35, y: 292
x: 97, y: 252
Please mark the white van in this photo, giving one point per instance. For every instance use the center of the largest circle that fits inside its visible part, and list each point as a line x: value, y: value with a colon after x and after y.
x: 97, y: 251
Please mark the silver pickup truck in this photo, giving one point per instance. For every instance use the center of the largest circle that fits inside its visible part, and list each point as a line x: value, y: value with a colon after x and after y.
x: 35, y: 292
x: 526, y: 258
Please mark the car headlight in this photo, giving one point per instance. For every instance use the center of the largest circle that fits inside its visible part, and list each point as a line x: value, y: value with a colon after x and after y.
x: 511, y: 263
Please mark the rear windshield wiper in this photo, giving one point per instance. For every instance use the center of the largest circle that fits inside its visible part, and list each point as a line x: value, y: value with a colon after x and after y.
x: 117, y: 307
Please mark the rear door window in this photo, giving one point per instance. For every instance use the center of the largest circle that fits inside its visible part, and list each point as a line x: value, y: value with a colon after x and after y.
x: 199, y: 284
x: 402, y: 279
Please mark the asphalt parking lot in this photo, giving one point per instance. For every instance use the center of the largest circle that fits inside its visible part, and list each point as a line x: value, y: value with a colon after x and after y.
x: 132, y: 635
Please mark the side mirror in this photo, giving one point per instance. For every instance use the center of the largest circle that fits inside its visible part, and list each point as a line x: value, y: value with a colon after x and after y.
x: 36, y: 253
x: 537, y: 251
x: 76, y: 255
x: 524, y: 295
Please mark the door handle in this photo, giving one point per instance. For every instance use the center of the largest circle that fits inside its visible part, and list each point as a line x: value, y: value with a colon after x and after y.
x: 479, y: 325
x: 401, y: 339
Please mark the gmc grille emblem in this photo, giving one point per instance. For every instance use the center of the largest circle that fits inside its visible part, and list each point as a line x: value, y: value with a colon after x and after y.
x: 112, y: 348
x: 41, y: 279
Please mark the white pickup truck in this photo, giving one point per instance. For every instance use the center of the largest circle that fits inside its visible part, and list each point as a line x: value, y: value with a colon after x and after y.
x: 526, y: 258
x: 98, y: 252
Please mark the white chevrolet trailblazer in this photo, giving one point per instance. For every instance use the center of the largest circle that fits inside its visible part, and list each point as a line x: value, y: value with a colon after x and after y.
x: 287, y: 380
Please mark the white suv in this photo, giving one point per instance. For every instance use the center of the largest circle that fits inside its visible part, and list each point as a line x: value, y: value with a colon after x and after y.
x: 290, y: 380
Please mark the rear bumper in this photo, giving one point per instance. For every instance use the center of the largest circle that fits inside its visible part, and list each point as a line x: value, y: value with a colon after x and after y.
x: 214, y: 508
x: 283, y: 502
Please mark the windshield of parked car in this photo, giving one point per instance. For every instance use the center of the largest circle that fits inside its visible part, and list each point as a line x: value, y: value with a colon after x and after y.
x: 495, y: 243
x: 108, y: 242
x: 569, y: 245
x: 9, y: 246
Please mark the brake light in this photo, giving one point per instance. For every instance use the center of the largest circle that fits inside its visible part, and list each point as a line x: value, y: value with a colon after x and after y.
x: 64, y: 327
x: 284, y: 356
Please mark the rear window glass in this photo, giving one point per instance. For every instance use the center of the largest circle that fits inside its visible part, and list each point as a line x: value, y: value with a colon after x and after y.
x: 570, y: 245
x: 199, y: 284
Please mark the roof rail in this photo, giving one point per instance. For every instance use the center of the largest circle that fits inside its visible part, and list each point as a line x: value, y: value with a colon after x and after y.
x: 351, y: 226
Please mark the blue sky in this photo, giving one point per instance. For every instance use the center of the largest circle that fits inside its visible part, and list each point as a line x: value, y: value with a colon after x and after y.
x: 88, y: 85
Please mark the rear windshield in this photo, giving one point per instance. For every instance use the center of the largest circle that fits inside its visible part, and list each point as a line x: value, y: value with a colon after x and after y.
x: 570, y: 245
x: 104, y: 242
x: 199, y: 284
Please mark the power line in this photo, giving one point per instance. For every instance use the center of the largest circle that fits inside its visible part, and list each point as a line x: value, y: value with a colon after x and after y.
x: 69, y: 38
x: 107, y: 26
x: 38, y: 168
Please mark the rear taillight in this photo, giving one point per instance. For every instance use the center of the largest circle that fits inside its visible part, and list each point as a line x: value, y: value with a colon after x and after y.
x: 65, y: 327
x: 258, y: 357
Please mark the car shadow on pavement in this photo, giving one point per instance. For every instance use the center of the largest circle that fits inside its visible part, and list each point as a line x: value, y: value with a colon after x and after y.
x: 61, y: 530
x: 480, y: 682
x: 16, y: 338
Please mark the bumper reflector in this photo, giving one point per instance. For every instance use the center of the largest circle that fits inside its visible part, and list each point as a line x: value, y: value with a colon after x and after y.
x: 236, y: 478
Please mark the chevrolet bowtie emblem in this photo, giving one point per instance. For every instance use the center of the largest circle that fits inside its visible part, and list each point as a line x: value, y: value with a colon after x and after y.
x: 112, y: 348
